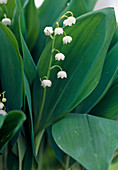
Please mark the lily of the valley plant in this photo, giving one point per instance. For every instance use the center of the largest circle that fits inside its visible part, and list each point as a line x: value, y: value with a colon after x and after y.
x: 58, y: 86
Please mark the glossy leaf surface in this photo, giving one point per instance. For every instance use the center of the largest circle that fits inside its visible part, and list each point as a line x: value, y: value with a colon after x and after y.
x: 88, y: 139
x: 84, y: 61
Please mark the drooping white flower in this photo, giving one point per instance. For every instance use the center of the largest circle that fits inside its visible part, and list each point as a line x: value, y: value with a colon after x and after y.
x: 67, y: 39
x: 6, y: 21
x: 1, y: 105
x: 61, y: 74
x: 48, y: 30
x: 69, y: 21
x: 46, y: 83
x: 3, y: 1
x: 3, y: 112
x: 59, y: 56
x: 58, y: 31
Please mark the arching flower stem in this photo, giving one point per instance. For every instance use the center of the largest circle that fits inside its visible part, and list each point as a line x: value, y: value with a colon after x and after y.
x: 64, y: 33
x: 55, y: 67
x: 64, y: 16
x: 69, y: 12
x: 55, y: 50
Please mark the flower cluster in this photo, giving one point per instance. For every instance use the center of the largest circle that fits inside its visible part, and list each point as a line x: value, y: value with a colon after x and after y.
x: 3, y: 1
x: 2, y: 106
x: 6, y: 21
x: 69, y: 21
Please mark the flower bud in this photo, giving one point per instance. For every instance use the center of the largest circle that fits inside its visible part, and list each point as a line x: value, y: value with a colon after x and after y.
x: 4, y: 99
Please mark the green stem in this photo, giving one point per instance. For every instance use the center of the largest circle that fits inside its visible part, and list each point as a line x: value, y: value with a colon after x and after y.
x: 44, y: 92
x: 38, y: 140
x: 50, y: 34
x: 56, y: 66
x: 67, y: 162
x: 64, y: 33
x: 55, y: 50
x: 64, y: 16
x: 68, y: 13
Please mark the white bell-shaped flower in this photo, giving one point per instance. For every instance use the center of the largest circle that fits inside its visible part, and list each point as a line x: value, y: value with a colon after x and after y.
x: 61, y: 74
x: 6, y: 21
x: 48, y: 30
x: 3, y: 112
x: 46, y: 83
x: 67, y: 39
x: 3, y: 1
x: 69, y: 21
x: 58, y: 31
x: 1, y: 105
x: 59, y: 56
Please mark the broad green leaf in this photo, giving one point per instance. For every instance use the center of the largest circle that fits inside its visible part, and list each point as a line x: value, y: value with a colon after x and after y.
x: 29, y: 65
x: 28, y: 158
x: 115, y: 38
x: 18, y: 22
x: 115, y: 80
x: 109, y: 72
x: 4, y: 8
x: 88, y: 139
x: 32, y: 23
x: 12, y: 123
x: 10, y: 8
x: 21, y: 16
x: 11, y: 69
x: 1, y: 14
x: 90, y: 4
x: 78, y: 7
x: 84, y: 62
x: 11, y: 38
x: 12, y: 158
x: 29, y: 120
x: 61, y: 156
x: 12, y: 161
x: 108, y: 106
x: 2, y: 118
x: 21, y: 148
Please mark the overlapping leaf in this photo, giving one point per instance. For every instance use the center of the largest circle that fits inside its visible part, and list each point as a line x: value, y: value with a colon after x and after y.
x: 88, y: 139
x: 32, y: 23
x: 109, y: 72
x: 61, y: 156
x: 84, y: 61
x: 11, y: 124
x: 108, y: 106
x: 11, y: 69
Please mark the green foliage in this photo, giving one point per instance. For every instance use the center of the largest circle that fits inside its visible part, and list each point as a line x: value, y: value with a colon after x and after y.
x: 81, y: 53
x: 27, y: 57
x: 106, y: 80
x: 10, y: 69
x: 78, y: 135
x: 8, y: 129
